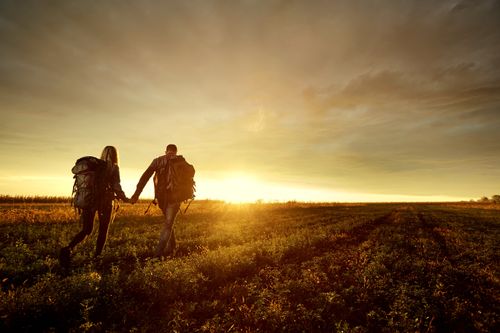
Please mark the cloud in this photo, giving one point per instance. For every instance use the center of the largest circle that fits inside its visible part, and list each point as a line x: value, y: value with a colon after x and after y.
x: 459, y: 86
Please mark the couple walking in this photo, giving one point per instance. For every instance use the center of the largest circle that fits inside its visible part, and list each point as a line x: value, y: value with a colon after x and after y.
x: 104, y: 202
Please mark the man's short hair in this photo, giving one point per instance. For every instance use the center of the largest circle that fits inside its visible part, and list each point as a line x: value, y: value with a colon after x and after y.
x: 172, y: 147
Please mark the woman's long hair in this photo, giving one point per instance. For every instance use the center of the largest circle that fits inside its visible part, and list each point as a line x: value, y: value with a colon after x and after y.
x: 110, y: 153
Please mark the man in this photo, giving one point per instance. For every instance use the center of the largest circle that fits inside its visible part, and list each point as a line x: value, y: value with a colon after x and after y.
x: 166, y: 200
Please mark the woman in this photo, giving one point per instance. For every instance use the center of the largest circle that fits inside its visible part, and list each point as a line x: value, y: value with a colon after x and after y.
x: 104, y: 205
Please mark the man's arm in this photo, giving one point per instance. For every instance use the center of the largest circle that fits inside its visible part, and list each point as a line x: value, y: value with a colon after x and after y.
x: 143, y: 181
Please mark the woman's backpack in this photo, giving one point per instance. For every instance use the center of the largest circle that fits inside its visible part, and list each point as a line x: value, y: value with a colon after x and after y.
x: 89, y: 175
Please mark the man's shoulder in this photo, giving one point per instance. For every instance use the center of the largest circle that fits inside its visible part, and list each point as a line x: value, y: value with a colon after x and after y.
x: 160, y: 158
x: 159, y: 162
x: 162, y: 161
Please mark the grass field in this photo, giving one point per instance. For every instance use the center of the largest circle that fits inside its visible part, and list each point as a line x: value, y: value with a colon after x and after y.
x: 257, y: 267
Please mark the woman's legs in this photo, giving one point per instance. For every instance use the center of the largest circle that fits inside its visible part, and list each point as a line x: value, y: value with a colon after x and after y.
x: 105, y: 214
x: 87, y: 219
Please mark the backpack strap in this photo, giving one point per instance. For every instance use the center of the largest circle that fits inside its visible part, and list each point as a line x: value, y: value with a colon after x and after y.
x: 149, y: 206
x: 185, y: 210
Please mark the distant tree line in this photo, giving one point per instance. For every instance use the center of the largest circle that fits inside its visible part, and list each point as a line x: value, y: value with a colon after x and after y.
x: 33, y: 199
x: 494, y: 199
x: 16, y: 199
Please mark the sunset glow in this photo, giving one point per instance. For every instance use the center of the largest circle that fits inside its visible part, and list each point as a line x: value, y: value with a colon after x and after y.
x: 237, y: 187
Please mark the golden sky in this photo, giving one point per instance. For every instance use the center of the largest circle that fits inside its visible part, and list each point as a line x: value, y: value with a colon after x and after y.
x: 278, y: 100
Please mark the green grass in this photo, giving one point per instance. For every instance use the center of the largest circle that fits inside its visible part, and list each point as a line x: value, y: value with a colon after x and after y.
x: 257, y: 267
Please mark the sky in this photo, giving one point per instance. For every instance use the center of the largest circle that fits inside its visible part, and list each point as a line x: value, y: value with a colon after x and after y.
x: 273, y: 100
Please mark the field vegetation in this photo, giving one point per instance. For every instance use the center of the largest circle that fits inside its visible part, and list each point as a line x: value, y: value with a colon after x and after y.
x: 257, y: 268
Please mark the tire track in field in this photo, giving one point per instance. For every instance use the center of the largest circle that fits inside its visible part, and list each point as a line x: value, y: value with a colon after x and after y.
x: 262, y: 273
x: 383, y: 270
x: 306, y: 220
x: 353, y: 239
x: 430, y: 279
x: 349, y: 242
x: 438, y: 238
x: 337, y: 265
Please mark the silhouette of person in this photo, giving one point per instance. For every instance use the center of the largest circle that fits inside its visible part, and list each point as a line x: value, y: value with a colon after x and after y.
x: 169, y: 207
x: 104, y: 206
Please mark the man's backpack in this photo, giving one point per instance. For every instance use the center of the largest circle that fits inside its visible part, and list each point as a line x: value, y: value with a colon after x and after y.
x: 174, y: 182
x: 89, y: 175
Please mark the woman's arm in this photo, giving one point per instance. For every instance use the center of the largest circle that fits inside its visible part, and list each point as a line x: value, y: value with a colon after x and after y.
x: 115, y: 184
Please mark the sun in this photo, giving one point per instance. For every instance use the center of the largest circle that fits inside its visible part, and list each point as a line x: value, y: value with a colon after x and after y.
x: 241, y: 187
x: 234, y: 187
